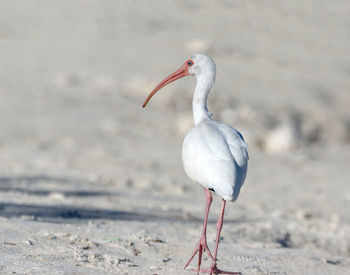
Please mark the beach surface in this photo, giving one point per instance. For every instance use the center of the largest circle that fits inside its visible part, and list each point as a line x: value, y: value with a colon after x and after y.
x: 92, y: 183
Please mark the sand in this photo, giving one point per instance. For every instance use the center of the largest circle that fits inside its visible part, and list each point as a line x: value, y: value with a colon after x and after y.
x: 91, y: 183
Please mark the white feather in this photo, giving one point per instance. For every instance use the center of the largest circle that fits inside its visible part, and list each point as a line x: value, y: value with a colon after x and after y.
x: 214, y: 154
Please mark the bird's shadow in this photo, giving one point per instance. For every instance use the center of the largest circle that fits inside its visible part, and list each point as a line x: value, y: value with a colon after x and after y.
x: 26, y: 185
x: 70, y: 213
x: 63, y: 213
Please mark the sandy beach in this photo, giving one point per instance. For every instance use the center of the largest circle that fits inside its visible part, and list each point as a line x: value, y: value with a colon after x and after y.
x: 92, y: 183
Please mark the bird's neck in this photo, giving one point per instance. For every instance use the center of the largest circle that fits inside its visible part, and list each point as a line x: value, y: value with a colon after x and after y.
x: 199, y: 104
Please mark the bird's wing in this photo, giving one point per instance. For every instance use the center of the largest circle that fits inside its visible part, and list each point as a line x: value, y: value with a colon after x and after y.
x: 239, y: 152
x: 219, y: 141
x: 215, y: 142
x: 236, y: 143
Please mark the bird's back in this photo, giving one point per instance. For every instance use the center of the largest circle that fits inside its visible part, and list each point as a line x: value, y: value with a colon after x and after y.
x: 215, y: 156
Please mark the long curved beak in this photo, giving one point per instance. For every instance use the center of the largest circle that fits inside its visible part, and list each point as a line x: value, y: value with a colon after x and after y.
x: 181, y: 72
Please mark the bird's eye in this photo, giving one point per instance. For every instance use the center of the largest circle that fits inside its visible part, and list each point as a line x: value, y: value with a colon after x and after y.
x: 190, y: 63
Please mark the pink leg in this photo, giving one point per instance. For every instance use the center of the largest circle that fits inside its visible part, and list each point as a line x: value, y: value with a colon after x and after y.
x: 218, y: 228
x: 202, y: 244
x: 213, y: 268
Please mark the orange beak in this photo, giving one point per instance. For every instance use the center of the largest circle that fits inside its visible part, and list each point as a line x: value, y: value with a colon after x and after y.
x: 181, y: 72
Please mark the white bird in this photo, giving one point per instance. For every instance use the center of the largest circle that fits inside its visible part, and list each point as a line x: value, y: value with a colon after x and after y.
x: 214, y: 154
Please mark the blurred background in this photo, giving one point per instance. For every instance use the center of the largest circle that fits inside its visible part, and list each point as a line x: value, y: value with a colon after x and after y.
x: 73, y: 134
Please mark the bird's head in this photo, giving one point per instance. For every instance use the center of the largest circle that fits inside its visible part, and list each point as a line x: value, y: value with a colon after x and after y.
x: 199, y: 65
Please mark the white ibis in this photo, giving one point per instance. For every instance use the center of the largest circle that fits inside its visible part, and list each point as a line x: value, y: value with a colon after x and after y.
x: 214, y: 154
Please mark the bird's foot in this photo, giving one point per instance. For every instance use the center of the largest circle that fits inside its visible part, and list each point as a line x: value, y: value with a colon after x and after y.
x: 214, y: 270
x: 202, y: 246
